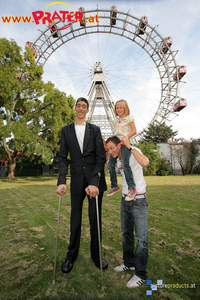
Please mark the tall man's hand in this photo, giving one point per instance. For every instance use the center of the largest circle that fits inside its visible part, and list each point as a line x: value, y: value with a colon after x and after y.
x: 92, y: 191
x: 61, y: 190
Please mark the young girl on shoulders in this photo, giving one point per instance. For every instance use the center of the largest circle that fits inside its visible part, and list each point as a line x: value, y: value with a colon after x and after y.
x: 124, y: 126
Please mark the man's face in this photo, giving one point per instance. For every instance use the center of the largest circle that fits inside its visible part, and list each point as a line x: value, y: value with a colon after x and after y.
x: 81, y: 110
x: 114, y: 150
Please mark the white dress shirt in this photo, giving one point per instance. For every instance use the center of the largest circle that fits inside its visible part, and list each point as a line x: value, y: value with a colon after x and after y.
x: 80, y: 133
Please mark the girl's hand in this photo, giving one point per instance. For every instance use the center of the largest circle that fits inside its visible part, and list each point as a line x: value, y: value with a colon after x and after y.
x: 125, y: 141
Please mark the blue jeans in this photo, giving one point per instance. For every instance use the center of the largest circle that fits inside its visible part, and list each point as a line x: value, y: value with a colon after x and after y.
x: 112, y: 171
x: 125, y: 156
x: 134, y: 216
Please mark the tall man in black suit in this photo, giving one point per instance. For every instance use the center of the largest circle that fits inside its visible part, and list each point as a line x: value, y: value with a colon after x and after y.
x: 84, y: 143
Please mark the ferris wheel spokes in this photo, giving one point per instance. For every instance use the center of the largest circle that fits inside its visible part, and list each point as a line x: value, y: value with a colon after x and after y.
x: 137, y: 31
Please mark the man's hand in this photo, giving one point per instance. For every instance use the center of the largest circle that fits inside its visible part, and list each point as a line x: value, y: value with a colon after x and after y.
x: 61, y: 190
x: 125, y: 141
x: 92, y: 191
x: 105, y: 146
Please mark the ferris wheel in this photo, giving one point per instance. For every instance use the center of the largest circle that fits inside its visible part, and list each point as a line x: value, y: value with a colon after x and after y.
x: 136, y: 62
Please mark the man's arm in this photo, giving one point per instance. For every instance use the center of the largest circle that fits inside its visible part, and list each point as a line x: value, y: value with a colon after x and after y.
x: 141, y: 159
x: 93, y: 188
x: 106, y: 150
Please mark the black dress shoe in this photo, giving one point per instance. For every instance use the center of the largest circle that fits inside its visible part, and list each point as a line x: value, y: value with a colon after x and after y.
x: 67, y: 266
x: 104, y: 264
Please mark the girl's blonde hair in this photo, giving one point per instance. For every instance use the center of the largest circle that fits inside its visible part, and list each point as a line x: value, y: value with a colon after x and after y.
x: 125, y: 105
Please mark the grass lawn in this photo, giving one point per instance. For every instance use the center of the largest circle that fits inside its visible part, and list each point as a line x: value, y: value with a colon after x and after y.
x: 28, y: 214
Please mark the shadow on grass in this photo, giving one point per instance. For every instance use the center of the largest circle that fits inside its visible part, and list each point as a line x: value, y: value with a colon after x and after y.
x: 29, y: 178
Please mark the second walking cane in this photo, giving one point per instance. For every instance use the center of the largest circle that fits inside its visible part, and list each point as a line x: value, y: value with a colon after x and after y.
x: 99, y: 238
x: 54, y: 271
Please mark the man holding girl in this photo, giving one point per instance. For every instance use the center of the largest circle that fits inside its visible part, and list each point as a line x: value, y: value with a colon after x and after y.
x: 134, y: 216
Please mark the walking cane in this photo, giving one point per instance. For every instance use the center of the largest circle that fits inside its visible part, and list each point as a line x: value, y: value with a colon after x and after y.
x: 54, y: 272
x: 99, y: 238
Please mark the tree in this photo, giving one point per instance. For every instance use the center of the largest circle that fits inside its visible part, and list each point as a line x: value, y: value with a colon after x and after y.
x: 193, y: 153
x: 159, y: 133
x: 29, y: 125
x: 196, y: 169
x: 58, y: 112
x: 181, y: 154
x: 186, y: 153
x: 150, y: 150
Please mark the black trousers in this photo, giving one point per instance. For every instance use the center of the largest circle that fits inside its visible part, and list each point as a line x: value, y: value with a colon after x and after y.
x: 75, y: 225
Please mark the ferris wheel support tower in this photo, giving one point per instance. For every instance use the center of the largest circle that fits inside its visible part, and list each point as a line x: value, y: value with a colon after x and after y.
x: 102, y: 102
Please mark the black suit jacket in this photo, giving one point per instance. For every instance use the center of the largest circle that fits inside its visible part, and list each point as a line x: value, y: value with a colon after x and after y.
x: 86, y: 165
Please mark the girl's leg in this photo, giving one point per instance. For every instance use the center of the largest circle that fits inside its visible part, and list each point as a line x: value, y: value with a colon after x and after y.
x: 113, y: 177
x: 125, y: 156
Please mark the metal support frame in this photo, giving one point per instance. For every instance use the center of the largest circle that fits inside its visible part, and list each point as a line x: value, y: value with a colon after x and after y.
x: 102, y: 103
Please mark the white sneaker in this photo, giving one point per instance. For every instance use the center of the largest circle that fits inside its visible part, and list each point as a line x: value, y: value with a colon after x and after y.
x: 135, y: 281
x: 123, y: 268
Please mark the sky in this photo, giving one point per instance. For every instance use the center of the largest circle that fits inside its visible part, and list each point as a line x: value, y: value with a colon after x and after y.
x: 128, y: 70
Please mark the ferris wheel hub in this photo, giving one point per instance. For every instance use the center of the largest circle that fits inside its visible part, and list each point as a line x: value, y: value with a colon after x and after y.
x: 98, y: 68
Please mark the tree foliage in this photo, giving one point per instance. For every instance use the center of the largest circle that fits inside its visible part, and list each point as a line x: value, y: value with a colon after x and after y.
x: 164, y: 167
x: 186, y: 153
x: 159, y: 133
x: 157, y: 165
x: 32, y: 112
x: 196, y: 169
x: 150, y: 150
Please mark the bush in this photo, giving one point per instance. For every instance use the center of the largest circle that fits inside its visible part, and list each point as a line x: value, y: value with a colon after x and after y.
x: 164, y: 168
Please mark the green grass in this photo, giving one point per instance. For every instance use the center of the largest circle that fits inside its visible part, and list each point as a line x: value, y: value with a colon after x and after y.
x: 28, y: 214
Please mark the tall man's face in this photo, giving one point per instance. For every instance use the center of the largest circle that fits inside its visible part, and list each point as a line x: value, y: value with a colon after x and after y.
x: 81, y: 110
x: 114, y: 150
